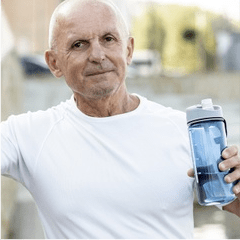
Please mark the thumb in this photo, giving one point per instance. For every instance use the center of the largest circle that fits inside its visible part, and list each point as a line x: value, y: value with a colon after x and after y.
x: 190, y: 172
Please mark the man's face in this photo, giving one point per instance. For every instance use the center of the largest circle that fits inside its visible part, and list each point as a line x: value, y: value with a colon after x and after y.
x: 92, y: 52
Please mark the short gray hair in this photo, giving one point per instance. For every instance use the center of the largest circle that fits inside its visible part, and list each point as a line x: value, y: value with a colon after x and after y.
x: 52, y: 41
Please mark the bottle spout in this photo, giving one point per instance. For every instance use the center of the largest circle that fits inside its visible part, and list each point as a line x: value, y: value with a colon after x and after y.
x: 207, y: 104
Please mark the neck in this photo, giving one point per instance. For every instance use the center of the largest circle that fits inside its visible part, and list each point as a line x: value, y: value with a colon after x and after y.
x: 113, y: 104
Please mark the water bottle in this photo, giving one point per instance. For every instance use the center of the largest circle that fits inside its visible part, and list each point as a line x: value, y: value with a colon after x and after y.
x: 207, y: 132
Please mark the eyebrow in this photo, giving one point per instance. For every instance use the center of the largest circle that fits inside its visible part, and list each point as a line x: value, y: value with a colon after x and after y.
x: 75, y: 36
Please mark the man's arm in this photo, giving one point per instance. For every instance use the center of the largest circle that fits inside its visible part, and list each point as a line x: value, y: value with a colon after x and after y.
x: 234, y: 207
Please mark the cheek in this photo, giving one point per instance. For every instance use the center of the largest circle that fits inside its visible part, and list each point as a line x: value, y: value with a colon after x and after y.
x: 121, y: 62
x: 74, y: 67
x: 74, y: 77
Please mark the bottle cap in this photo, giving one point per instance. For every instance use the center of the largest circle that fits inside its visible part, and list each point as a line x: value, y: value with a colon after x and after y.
x: 205, y: 110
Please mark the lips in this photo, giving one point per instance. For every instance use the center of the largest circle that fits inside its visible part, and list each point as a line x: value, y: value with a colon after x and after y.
x: 93, y: 73
x: 105, y: 67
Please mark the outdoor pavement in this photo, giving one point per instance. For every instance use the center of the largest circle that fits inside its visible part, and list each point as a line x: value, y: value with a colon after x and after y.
x: 209, y: 221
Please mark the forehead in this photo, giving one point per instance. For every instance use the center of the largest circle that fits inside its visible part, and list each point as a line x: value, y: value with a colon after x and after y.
x: 89, y: 19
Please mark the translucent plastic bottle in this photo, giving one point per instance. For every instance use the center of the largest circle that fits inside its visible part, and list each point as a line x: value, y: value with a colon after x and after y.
x: 207, y: 132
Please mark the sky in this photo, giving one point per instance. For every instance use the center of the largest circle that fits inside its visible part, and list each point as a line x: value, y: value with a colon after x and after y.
x: 230, y: 8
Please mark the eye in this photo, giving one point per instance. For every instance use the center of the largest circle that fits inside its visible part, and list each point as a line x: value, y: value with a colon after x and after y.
x: 79, y: 44
x: 190, y: 35
x: 109, y: 39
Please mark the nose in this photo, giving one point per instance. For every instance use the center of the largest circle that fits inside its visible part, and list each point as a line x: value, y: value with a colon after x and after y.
x: 97, y: 54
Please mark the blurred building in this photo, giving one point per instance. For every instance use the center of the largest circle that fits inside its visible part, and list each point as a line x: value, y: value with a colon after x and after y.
x: 186, y: 38
x: 182, y: 34
x: 145, y: 63
x: 228, y: 51
x: 29, y: 21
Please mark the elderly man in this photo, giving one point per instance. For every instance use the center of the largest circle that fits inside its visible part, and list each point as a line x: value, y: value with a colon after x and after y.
x: 106, y: 163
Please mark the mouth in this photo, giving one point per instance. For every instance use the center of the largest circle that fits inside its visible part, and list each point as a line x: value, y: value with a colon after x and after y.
x: 97, y: 73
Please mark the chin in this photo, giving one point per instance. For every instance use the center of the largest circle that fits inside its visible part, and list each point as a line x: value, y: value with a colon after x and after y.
x: 101, y: 93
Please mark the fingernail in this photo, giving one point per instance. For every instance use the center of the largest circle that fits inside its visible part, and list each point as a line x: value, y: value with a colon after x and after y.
x: 225, y: 154
x: 222, y: 166
x: 227, y: 179
x: 236, y: 189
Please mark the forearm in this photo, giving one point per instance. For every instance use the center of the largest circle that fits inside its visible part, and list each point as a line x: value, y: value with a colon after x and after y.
x: 233, y: 207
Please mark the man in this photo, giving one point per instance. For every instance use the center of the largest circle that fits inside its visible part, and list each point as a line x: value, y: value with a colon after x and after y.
x: 106, y: 163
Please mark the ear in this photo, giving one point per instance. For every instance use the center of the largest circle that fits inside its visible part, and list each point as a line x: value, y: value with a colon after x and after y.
x: 52, y: 62
x: 130, y: 49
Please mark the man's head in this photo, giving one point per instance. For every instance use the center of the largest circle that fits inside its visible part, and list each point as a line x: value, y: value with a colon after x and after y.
x: 67, y: 6
x: 89, y: 46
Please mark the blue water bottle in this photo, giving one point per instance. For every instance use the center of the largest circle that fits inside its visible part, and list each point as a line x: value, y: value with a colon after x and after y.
x: 207, y: 132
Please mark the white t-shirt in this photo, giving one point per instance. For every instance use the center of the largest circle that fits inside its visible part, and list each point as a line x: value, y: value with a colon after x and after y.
x: 123, y: 176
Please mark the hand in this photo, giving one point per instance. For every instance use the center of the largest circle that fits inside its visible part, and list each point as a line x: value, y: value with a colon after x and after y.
x: 231, y: 160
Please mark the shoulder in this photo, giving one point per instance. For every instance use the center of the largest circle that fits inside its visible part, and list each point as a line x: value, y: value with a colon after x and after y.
x: 173, y: 117
x: 166, y: 112
x: 34, y: 123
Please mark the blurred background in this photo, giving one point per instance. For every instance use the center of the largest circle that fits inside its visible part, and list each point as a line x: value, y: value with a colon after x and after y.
x: 186, y: 50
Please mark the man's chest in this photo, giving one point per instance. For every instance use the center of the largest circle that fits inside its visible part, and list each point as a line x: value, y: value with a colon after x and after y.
x: 94, y: 172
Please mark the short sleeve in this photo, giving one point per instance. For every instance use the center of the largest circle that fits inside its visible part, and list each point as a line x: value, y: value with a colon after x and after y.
x: 10, y: 155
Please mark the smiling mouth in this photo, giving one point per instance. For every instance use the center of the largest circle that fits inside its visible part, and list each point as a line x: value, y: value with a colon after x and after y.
x: 97, y: 73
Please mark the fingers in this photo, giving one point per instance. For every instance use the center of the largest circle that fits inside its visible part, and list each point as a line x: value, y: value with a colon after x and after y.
x: 232, y: 177
x: 232, y: 160
x: 190, y: 172
x: 229, y: 163
x: 236, y: 190
x: 231, y: 157
x: 230, y: 152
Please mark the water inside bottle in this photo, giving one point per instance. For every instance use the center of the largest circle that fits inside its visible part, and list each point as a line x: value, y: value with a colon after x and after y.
x: 208, y: 141
x: 213, y: 189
